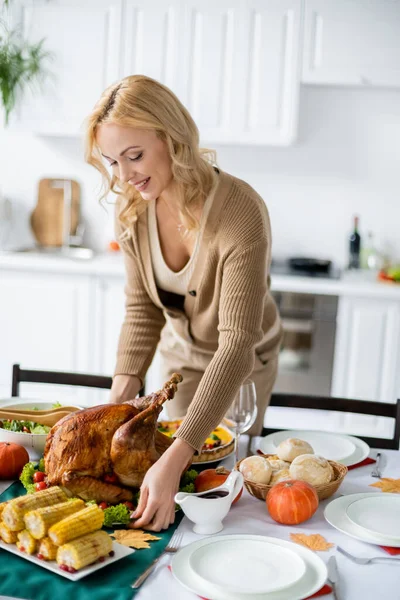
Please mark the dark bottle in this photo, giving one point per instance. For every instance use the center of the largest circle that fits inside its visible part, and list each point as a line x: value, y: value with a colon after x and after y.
x: 354, y: 246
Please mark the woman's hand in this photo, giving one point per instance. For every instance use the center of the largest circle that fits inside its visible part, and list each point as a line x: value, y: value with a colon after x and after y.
x: 124, y: 387
x: 156, y: 508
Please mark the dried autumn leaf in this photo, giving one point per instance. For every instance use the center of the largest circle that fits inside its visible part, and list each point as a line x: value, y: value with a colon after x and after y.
x: 133, y: 538
x: 387, y: 484
x: 314, y: 541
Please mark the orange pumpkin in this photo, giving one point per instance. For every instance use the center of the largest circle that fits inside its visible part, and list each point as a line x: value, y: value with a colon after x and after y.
x: 292, y: 502
x: 212, y: 478
x: 12, y: 458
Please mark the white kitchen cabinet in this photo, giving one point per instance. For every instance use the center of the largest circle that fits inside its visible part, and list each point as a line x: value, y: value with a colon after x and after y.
x: 352, y: 42
x: 240, y: 69
x: 45, y: 323
x: 84, y: 40
x: 108, y: 318
x: 151, y: 41
x: 367, y: 355
x: 233, y: 63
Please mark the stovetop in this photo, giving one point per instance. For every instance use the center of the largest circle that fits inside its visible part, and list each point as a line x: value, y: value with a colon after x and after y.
x: 282, y: 267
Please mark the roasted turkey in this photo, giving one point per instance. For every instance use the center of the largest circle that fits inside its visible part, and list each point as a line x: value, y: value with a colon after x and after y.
x: 101, y: 452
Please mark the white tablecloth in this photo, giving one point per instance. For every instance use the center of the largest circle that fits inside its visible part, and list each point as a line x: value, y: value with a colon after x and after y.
x: 249, y: 515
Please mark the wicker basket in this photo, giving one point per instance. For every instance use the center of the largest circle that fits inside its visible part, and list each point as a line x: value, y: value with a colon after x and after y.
x: 260, y: 490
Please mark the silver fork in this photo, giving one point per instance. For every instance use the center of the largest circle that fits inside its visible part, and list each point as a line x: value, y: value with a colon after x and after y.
x: 376, y: 472
x: 367, y: 561
x: 173, y: 546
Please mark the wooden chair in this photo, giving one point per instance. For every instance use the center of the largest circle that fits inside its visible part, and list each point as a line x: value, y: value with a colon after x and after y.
x: 58, y: 377
x: 379, y: 409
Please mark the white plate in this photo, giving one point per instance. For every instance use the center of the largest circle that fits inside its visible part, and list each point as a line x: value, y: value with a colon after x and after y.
x: 313, y: 579
x: 379, y: 514
x: 335, y: 513
x: 351, y: 449
x: 268, y: 567
x: 119, y: 552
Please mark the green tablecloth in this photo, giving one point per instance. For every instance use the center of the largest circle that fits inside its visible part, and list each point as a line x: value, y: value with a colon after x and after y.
x: 23, y: 579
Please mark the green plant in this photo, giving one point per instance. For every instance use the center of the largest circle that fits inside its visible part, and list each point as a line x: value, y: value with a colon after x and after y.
x: 21, y: 65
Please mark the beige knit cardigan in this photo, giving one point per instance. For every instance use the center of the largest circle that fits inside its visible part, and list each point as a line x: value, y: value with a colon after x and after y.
x: 228, y: 305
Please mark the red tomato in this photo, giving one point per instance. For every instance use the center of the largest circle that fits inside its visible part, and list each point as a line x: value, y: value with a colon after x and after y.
x: 38, y: 476
x: 40, y: 485
x: 103, y: 505
x: 129, y: 505
x: 111, y: 478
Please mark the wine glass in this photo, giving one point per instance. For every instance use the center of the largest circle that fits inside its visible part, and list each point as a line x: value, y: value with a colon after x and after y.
x: 243, y: 411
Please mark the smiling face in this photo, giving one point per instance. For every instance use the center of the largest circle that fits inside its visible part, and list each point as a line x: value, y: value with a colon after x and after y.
x: 137, y: 157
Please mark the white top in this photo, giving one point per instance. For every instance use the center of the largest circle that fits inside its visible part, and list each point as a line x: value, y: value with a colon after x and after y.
x: 165, y: 278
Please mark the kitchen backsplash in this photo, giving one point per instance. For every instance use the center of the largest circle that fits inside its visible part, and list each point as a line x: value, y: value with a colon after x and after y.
x: 346, y: 161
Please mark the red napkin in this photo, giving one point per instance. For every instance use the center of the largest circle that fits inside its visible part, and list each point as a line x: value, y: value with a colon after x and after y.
x: 366, y: 461
x: 326, y: 589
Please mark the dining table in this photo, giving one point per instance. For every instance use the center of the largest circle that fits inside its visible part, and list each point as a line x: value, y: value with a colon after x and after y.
x: 250, y: 516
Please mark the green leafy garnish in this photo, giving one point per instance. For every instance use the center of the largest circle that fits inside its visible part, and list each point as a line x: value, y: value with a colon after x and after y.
x: 56, y: 405
x: 28, y: 471
x: 213, y: 436
x: 116, y: 514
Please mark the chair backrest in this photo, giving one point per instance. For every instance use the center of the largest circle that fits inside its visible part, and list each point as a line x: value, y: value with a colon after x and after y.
x: 57, y: 377
x: 379, y: 409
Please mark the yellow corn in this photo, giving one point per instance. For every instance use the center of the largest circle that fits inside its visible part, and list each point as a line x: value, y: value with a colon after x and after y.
x: 2, y: 507
x: 39, y: 521
x: 8, y: 536
x: 84, y: 521
x: 26, y: 543
x: 47, y: 549
x: 13, y: 514
x: 84, y: 550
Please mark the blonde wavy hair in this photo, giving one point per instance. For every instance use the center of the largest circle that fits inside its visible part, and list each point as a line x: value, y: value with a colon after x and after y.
x: 141, y: 102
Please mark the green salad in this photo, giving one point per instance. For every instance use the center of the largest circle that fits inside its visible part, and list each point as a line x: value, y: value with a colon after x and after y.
x: 26, y: 426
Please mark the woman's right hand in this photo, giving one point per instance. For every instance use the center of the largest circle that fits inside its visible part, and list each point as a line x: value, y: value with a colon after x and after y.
x: 124, y: 387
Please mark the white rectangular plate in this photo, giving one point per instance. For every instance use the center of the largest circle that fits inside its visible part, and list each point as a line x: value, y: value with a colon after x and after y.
x: 119, y: 552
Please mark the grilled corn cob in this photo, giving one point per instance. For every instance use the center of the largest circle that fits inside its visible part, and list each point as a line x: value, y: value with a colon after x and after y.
x: 84, y: 550
x: 13, y: 514
x: 2, y: 507
x: 26, y: 543
x: 8, y: 536
x: 47, y: 549
x: 84, y: 521
x: 39, y: 521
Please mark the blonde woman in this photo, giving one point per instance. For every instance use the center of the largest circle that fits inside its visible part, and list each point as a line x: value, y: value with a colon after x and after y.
x: 197, y: 248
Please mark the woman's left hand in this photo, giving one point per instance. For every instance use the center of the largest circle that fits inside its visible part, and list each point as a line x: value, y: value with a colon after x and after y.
x: 156, y: 508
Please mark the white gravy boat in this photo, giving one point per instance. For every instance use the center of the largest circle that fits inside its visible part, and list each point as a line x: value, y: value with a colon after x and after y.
x: 207, y: 509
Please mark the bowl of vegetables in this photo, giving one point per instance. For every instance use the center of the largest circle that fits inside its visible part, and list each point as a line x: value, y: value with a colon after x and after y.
x: 29, y: 434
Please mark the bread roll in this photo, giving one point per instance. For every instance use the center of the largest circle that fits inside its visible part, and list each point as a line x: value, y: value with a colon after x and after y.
x: 281, y: 475
x: 277, y: 464
x: 311, y: 468
x: 256, y: 469
x: 292, y: 447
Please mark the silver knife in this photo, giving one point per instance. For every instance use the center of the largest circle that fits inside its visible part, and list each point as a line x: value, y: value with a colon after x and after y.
x: 333, y: 577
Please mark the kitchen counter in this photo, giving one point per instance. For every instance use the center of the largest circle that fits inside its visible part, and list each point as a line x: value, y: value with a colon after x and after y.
x: 361, y: 284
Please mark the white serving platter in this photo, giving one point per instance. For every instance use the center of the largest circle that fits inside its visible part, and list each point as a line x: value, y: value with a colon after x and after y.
x: 119, y: 552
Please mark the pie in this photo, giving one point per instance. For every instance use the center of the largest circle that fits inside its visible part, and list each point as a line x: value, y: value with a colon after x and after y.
x: 219, y: 444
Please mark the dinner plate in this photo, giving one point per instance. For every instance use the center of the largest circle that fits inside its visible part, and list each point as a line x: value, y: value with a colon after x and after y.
x: 379, y: 514
x: 51, y: 565
x: 336, y: 515
x: 268, y: 567
x: 313, y: 579
x: 346, y: 449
